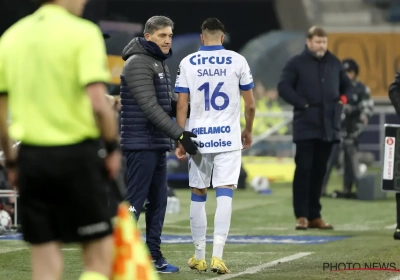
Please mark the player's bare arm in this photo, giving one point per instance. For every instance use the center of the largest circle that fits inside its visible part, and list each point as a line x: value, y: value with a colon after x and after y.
x: 249, y: 113
x: 182, y: 108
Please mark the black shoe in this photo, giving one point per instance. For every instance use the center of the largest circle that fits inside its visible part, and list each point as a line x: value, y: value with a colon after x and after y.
x: 346, y: 195
x: 396, y: 234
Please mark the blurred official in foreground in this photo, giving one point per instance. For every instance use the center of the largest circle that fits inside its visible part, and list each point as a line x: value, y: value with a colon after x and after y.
x: 394, y: 96
x: 315, y: 83
x: 53, y: 70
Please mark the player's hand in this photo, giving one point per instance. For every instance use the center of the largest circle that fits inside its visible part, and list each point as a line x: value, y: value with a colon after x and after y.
x: 113, y: 164
x: 186, y: 140
x: 114, y: 102
x: 247, y: 139
x: 180, y: 153
x: 117, y: 104
x: 111, y: 100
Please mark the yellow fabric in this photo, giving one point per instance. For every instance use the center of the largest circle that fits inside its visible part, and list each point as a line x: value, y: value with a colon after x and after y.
x: 89, y: 275
x: 46, y: 61
x: 131, y: 256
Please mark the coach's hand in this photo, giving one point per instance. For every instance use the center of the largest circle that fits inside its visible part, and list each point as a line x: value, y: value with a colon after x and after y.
x: 187, y: 142
x: 247, y: 139
x: 180, y: 152
x: 113, y: 164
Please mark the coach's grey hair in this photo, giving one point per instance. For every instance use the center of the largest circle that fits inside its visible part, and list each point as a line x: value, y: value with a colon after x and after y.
x: 157, y: 22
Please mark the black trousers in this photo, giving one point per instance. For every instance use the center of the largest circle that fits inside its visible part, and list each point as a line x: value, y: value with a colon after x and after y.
x: 311, y: 163
x: 147, y: 179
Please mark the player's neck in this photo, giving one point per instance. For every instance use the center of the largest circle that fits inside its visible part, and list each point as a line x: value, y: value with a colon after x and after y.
x: 212, y: 43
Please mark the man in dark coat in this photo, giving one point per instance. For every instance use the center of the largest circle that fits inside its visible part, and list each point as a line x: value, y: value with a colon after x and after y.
x: 394, y: 96
x: 316, y: 85
x: 147, y: 130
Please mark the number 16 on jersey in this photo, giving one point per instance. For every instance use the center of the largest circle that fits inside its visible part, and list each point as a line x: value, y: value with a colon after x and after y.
x: 212, y: 100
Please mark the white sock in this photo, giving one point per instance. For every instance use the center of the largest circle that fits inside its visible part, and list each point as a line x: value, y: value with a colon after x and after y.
x: 198, y: 224
x: 222, y: 220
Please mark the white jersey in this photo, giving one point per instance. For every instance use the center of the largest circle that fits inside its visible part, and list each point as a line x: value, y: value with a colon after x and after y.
x: 214, y: 77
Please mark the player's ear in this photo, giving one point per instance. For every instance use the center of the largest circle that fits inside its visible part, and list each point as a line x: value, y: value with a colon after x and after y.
x: 222, y: 38
x: 202, y: 38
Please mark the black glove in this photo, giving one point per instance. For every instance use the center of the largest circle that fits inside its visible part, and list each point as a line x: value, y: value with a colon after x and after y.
x: 187, y: 142
x: 173, y: 111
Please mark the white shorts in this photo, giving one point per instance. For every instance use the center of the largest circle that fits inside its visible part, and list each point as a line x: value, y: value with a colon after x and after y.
x: 223, y: 167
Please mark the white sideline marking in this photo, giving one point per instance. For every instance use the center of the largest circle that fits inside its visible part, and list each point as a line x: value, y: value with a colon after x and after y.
x: 342, y: 227
x: 391, y: 226
x: 235, y: 252
x: 258, y: 268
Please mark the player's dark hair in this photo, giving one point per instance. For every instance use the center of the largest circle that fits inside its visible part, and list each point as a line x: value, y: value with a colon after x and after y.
x: 212, y: 25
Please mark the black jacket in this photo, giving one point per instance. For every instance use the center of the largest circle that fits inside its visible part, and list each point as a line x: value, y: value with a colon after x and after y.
x: 394, y: 93
x: 319, y: 83
x: 146, y: 99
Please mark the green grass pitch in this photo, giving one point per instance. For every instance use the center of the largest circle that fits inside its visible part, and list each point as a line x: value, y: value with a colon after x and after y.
x: 367, y: 224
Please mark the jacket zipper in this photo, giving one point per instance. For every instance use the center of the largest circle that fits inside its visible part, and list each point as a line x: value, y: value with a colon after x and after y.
x: 169, y: 97
x: 168, y: 90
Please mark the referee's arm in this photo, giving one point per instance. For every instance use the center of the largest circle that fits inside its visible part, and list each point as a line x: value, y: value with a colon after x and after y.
x: 5, y: 141
x: 94, y: 74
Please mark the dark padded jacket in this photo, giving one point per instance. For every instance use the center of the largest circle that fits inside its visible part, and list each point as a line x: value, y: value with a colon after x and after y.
x: 320, y: 83
x: 146, y: 99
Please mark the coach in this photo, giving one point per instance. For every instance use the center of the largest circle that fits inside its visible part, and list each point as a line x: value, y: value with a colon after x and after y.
x: 147, y: 130
x: 315, y: 84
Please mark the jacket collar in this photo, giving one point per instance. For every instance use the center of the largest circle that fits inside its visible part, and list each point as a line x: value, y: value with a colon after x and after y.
x: 154, y: 49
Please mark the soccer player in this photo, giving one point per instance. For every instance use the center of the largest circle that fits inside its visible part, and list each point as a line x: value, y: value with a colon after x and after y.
x: 214, y: 77
x: 53, y: 70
